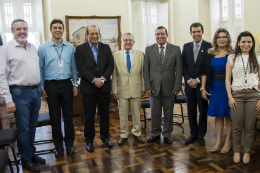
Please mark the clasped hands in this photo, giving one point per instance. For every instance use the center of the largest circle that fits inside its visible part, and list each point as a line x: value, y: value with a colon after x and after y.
x: 193, y: 83
x: 99, y: 82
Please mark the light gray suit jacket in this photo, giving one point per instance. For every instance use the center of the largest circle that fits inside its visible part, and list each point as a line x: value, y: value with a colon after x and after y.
x: 170, y: 76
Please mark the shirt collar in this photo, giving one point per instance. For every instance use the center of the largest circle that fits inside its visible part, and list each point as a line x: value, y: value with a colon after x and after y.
x: 51, y: 43
x: 198, y: 43
x: 130, y: 51
x: 163, y: 45
x: 16, y: 44
x: 91, y: 45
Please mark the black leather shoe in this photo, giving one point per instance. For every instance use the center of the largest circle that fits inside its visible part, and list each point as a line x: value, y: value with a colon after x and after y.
x: 168, y: 140
x: 190, y: 139
x: 201, y: 141
x: 153, y: 139
x: 37, y: 159
x: 89, y: 147
x: 59, y: 152
x: 107, y: 143
x: 70, y: 150
x: 30, y: 166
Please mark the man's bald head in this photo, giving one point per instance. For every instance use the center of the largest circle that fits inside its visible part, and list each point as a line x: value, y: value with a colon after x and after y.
x: 93, y: 34
x: 91, y: 27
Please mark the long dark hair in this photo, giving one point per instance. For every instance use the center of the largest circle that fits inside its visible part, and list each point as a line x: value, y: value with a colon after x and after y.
x: 252, y: 56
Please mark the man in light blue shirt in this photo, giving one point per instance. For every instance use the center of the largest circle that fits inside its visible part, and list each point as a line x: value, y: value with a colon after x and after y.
x: 57, y: 69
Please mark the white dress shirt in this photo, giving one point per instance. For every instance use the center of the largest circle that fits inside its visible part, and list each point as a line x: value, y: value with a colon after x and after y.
x: 164, y: 49
x: 131, y: 56
x: 238, y: 73
x: 19, y: 66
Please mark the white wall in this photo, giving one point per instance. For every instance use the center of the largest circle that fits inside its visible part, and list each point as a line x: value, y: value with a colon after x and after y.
x: 203, y: 7
x: 184, y: 16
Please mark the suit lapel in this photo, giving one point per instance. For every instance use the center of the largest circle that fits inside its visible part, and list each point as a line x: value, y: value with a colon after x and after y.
x: 156, y: 51
x: 122, y: 59
x: 89, y: 51
x: 99, y: 53
x: 135, y: 54
x: 167, y: 53
x: 192, y: 52
x: 200, y: 51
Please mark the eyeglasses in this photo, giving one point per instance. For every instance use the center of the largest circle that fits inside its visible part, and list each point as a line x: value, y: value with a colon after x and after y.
x: 222, y: 37
x: 130, y: 41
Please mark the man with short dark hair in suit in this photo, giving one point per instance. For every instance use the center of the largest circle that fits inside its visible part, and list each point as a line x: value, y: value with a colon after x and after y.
x: 95, y: 64
x: 193, y: 58
x: 162, y: 77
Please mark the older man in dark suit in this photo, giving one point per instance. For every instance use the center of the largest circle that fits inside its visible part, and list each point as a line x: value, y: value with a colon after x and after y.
x: 95, y: 64
x: 193, y: 58
x: 162, y: 75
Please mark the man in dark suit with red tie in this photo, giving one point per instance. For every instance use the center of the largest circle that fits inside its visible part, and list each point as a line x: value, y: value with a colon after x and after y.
x: 193, y: 58
x: 95, y: 64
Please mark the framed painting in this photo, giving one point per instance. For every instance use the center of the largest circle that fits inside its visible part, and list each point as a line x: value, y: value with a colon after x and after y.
x: 110, y: 31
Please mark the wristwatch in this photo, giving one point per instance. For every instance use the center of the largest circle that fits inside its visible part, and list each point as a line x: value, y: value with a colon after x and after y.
x: 201, y: 89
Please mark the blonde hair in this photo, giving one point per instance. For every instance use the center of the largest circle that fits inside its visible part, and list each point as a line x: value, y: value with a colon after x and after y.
x: 214, y: 50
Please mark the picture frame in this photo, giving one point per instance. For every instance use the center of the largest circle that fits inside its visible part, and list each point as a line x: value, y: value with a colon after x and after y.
x: 110, y: 30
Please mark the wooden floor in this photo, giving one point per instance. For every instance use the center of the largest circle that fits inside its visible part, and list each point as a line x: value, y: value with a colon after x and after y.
x: 149, y: 158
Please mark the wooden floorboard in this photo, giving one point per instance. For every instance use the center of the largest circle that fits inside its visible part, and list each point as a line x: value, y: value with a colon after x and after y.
x: 133, y: 157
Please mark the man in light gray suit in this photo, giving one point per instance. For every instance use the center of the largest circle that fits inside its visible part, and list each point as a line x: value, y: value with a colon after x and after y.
x: 163, y: 77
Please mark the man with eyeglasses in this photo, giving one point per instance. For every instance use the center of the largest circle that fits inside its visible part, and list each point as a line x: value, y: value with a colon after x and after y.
x: 128, y: 86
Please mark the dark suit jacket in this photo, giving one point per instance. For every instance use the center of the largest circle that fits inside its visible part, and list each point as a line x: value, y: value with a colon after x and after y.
x: 190, y: 68
x: 170, y: 76
x: 88, y: 69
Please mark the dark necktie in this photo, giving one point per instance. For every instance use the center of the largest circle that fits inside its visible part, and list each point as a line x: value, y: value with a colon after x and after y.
x: 162, y: 55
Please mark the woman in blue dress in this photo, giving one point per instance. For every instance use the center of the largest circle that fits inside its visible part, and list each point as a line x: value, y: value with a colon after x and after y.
x: 213, y: 86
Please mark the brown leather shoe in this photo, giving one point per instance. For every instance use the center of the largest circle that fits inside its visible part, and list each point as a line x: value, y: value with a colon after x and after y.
x: 139, y: 139
x: 121, y: 141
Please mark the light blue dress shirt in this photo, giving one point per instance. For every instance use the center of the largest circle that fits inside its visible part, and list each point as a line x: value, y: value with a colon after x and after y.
x: 49, y: 57
x: 95, y: 54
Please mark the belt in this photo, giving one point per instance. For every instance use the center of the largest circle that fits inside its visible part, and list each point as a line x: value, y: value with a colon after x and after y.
x: 24, y: 87
x: 57, y: 81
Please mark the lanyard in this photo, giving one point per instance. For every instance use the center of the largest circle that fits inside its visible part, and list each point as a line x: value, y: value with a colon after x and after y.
x: 58, y: 52
x: 245, y: 69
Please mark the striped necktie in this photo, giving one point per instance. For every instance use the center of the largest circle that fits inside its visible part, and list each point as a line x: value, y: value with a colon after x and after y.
x: 162, y: 55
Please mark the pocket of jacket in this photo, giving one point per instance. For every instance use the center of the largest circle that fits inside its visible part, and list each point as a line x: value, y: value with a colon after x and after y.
x: 151, y: 79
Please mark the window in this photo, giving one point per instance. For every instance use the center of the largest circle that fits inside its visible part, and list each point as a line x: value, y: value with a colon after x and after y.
x: 224, y: 10
x: 27, y: 10
x: 154, y: 15
x: 9, y: 14
x: 237, y: 9
x: 148, y: 15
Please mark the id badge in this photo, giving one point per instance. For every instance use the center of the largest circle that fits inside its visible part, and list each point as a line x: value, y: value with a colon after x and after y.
x: 60, y: 63
x: 246, y: 82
